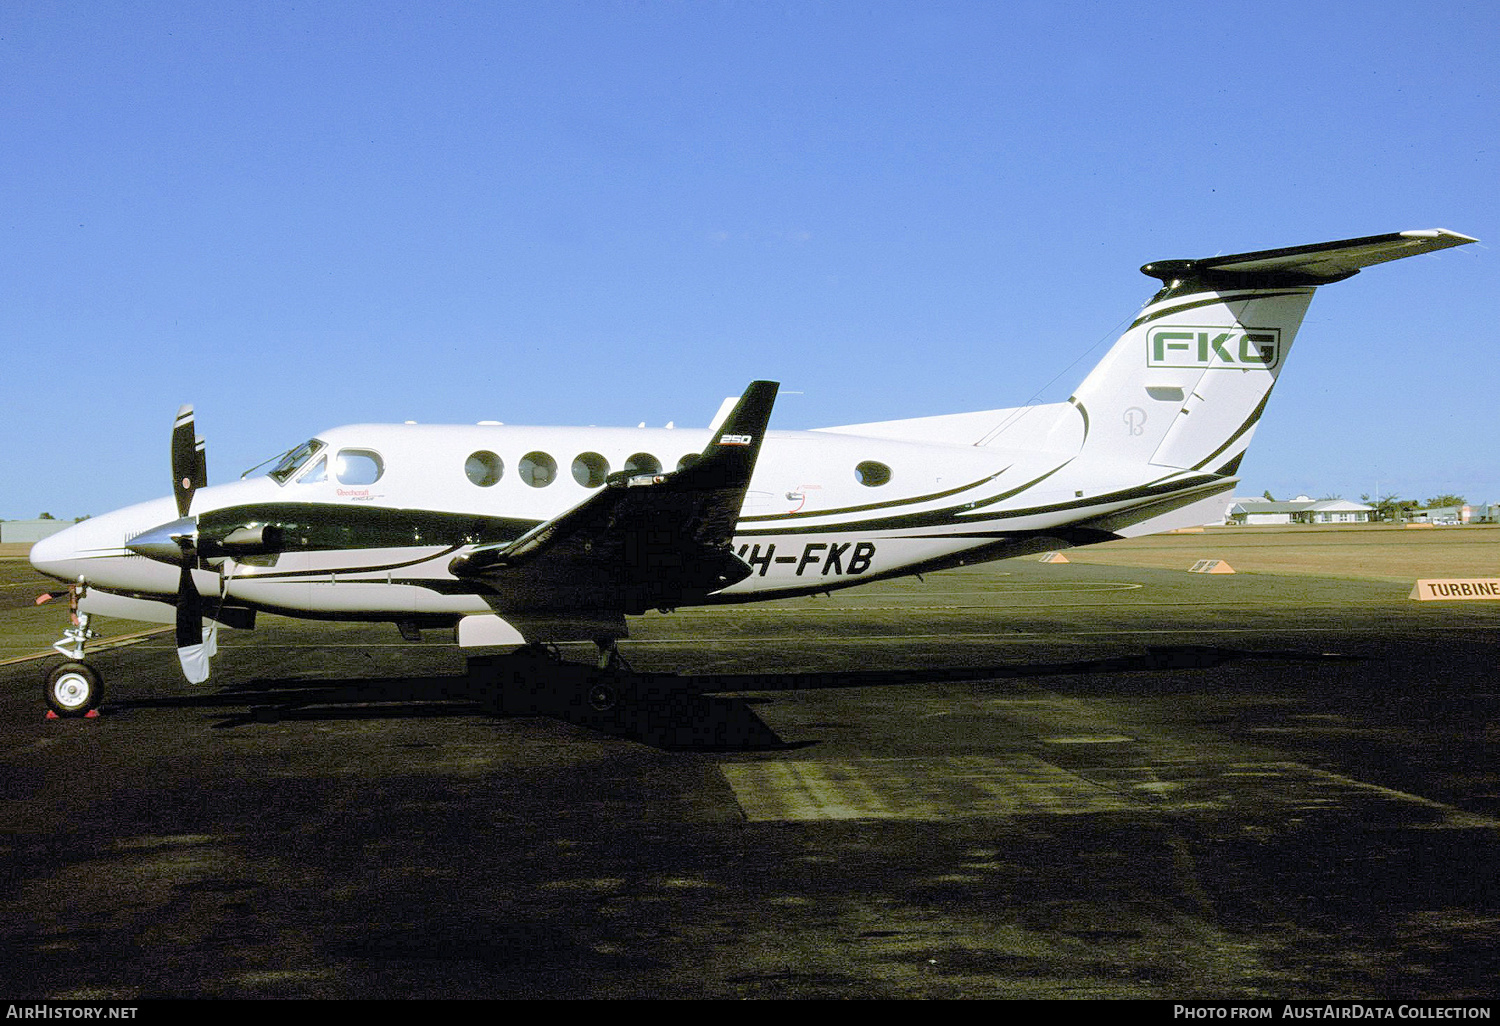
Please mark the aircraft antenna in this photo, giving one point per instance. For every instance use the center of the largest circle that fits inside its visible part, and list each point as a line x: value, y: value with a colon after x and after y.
x: 1111, y: 333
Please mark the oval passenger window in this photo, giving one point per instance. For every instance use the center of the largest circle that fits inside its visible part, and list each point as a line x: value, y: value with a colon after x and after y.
x: 359, y: 466
x: 537, y: 469
x: 643, y: 463
x: 484, y: 468
x: 590, y: 469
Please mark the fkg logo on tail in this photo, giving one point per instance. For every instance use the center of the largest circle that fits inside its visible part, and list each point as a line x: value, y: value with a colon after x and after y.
x: 1209, y: 347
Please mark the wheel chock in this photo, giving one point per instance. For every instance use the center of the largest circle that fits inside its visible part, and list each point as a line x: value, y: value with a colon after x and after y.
x: 1449, y: 588
x: 52, y: 715
x: 92, y: 714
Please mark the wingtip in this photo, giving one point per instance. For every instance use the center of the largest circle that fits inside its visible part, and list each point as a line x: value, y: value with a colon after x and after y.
x: 1457, y: 238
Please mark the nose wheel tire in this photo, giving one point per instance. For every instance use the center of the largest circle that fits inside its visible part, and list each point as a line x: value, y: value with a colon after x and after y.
x: 73, y: 689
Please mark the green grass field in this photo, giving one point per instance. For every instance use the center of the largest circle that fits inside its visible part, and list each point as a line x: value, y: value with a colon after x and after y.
x: 1381, y: 553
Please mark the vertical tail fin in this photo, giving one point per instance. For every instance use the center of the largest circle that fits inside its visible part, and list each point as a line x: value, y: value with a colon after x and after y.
x: 1186, y: 383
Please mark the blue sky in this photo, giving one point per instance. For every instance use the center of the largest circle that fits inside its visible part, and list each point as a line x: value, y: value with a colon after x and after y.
x: 296, y: 215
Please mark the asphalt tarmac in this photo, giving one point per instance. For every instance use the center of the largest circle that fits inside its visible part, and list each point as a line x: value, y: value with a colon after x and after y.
x: 1023, y: 780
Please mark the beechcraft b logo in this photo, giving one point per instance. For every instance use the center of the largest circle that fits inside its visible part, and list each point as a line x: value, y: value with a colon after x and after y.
x: 1181, y: 345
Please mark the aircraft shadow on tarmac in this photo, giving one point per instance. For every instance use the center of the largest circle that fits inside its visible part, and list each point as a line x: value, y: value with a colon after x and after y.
x: 664, y: 710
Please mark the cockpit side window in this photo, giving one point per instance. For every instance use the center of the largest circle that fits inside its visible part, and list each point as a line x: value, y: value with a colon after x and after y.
x: 319, y: 472
x: 293, y: 461
x: 359, y: 466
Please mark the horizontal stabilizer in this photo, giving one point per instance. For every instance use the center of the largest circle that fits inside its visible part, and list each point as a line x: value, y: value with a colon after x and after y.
x: 1317, y: 264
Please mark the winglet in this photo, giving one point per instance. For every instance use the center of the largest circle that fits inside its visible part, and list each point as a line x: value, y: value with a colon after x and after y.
x: 729, y: 458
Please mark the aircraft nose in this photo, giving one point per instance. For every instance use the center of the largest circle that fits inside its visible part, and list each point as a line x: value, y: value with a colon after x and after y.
x: 56, y: 555
x: 95, y: 549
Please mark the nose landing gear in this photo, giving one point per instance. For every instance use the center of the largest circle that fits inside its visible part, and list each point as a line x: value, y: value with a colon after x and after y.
x: 74, y: 688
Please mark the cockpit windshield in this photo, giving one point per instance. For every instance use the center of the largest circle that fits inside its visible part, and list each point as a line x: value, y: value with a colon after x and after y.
x: 293, y: 460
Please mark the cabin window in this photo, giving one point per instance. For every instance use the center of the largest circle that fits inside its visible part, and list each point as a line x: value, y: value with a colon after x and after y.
x: 319, y: 472
x: 872, y: 474
x: 643, y: 463
x: 537, y: 469
x: 359, y: 466
x: 688, y: 460
x: 590, y: 469
x: 484, y: 468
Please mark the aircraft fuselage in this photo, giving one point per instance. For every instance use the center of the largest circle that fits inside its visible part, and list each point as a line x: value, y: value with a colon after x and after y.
x: 372, y: 519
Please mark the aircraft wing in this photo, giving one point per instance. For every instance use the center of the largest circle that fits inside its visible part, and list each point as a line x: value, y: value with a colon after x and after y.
x: 642, y: 541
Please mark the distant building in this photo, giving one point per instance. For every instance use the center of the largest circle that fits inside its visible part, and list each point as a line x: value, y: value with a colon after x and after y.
x: 1301, y: 510
x: 27, y: 531
x: 1465, y: 514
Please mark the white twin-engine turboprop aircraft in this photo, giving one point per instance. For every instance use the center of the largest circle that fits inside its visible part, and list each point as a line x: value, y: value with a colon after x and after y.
x: 519, y: 536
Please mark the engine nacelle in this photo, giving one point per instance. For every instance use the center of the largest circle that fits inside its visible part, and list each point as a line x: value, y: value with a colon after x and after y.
x: 486, y: 630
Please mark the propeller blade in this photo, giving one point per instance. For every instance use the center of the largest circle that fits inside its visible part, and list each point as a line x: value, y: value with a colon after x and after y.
x: 195, y: 662
x: 186, y: 463
x: 192, y: 652
x: 189, y: 614
x: 189, y: 473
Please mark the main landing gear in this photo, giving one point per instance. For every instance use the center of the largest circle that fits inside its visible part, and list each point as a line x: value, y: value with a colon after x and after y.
x: 604, y: 693
x: 73, y: 688
x: 536, y: 678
